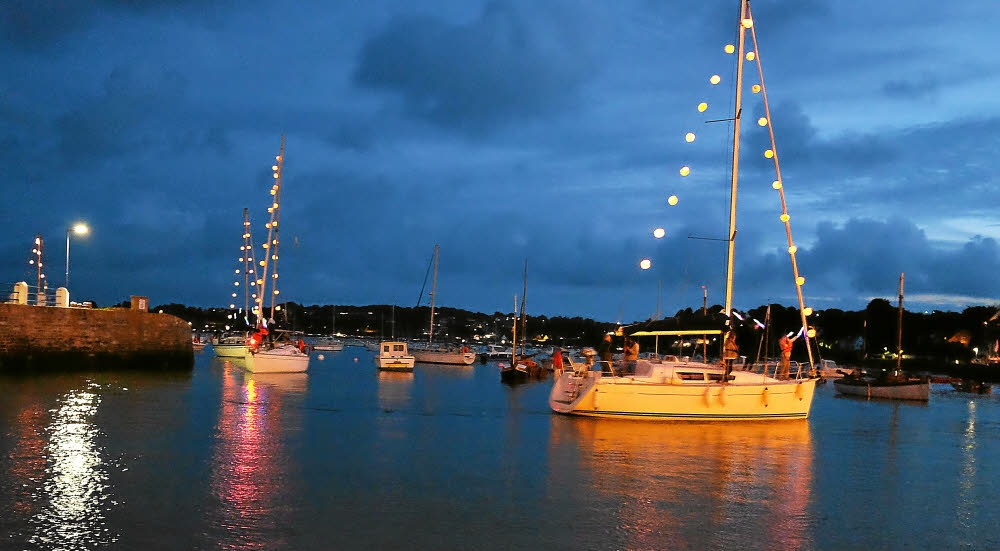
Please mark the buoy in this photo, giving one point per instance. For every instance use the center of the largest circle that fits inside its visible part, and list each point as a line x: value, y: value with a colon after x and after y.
x: 355, y: 359
x: 321, y: 357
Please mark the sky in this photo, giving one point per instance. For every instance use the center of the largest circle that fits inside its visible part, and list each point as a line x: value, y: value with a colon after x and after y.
x: 504, y: 132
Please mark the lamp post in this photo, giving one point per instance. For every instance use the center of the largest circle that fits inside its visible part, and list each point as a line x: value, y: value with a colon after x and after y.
x: 79, y: 229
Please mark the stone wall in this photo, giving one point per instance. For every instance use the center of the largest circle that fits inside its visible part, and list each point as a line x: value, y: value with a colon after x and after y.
x: 36, y: 338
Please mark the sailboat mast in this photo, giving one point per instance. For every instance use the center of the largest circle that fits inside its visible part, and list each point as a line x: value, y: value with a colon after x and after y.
x: 737, y: 112
x: 513, y: 337
x: 524, y: 317
x: 899, y: 325
x: 272, y: 236
x: 434, y: 286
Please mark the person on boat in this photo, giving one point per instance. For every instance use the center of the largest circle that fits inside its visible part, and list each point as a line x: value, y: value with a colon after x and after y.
x: 465, y: 349
x: 557, y: 361
x: 605, y: 353
x: 730, y: 351
x: 785, y: 343
x: 302, y: 345
x: 630, y: 356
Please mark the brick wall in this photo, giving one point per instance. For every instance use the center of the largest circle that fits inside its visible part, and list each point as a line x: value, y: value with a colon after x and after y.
x: 68, y: 338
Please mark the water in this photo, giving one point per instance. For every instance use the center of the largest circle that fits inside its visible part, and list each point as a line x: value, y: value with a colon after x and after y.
x: 345, y: 457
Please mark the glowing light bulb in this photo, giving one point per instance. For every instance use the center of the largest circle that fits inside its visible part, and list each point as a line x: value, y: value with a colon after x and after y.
x: 800, y: 281
x: 275, y: 175
x: 730, y: 48
x: 702, y: 107
x: 783, y: 217
x: 672, y: 200
x: 807, y: 311
x: 755, y: 88
x: 769, y: 154
x: 236, y: 283
x: 685, y: 170
x: 747, y: 23
x: 750, y: 56
x: 659, y: 233
x: 715, y: 79
x: 762, y: 121
x: 274, y: 167
x: 776, y: 184
x: 689, y: 137
x: 793, y: 249
x: 811, y: 332
x: 645, y: 264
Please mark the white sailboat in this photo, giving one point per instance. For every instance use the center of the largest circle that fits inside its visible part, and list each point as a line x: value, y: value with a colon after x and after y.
x: 270, y: 351
x: 895, y: 385
x: 438, y: 354
x: 234, y: 344
x: 675, y: 389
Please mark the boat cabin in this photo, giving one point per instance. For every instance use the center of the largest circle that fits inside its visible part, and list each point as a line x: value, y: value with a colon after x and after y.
x: 393, y: 349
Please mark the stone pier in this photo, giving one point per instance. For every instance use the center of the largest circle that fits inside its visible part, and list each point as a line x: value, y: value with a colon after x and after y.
x: 39, y: 338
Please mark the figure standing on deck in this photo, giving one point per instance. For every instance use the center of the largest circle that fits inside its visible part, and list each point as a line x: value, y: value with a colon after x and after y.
x: 605, y: 353
x: 630, y: 356
x: 730, y: 351
x: 786, y: 355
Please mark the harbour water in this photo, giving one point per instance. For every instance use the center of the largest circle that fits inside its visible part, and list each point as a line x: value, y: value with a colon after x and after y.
x: 345, y: 457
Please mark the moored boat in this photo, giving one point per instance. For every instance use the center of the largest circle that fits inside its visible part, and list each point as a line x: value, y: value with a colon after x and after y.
x: 673, y: 388
x: 276, y: 353
x: 887, y: 387
x: 394, y: 356
x: 894, y: 385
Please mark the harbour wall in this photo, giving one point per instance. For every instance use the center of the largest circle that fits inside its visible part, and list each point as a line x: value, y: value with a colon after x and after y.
x: 39, y: 338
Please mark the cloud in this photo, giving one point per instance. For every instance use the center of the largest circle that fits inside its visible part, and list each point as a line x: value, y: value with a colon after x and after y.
x: 502, y: 67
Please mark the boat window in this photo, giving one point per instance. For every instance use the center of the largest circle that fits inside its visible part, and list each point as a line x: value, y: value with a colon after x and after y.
x: 397, y: 348
x: 385, y: 348
x: 699, y: 376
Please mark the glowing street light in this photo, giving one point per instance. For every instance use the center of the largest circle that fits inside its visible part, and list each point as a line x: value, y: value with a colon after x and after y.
x: 79, y: 229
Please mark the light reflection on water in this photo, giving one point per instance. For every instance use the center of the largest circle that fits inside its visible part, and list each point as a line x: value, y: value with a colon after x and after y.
x: 251, y: 464
x: 74, y: 496
x: 345, y: 457
x: 698, y: 486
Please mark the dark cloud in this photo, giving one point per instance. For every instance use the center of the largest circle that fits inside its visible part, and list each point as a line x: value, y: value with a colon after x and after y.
x: 500, y: 68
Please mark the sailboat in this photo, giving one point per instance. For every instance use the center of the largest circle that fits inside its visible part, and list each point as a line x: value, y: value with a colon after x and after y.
x: 436, y: 354
x: 234, y: 344
x: 271, y: 350
x: 894, y: 385
x: 522, y: 367
x: 674, y: 388
x: 329, y: 343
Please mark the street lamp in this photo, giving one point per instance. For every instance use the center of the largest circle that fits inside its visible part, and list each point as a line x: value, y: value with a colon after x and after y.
x: 79, y: 229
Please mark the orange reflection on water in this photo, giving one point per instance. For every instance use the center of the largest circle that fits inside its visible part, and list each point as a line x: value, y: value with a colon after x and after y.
x: 249, y: 467
x: 691, y: 485
x: 28, y: 467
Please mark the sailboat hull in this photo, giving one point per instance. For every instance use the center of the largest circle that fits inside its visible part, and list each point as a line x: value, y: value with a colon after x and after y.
x: 681, y: 392
x: 283, y: 359
x: 231, y: 350
x: 918, y: 390
x: 443, y: 357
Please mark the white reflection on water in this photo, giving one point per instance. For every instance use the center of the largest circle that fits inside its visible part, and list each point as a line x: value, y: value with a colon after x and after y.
x: 76, y: 478
x: 967, y: 484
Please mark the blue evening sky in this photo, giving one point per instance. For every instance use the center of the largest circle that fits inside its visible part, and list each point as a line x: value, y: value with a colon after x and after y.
x: 503, y: 131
